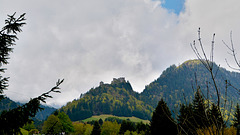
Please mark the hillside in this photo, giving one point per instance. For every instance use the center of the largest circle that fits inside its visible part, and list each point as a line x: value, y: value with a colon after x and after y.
x: 177, y: 82
x: 117, y: 98
x: 176, y: 85
x: 6, y: 104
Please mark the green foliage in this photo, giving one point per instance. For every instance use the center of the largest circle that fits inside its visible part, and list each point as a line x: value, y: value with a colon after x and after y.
x: 58, y: 122
x: 175, y: 85
x: 200, y: 111
x: 82, y: 128
x: 110, y: 128
x: 216, y: 117
x: 23, y: 132
x: 66, y: 122
x: 116, y: 98
x: 198, y: 116
x: 112, y: 119
x: 33, y: 131
x: 127, y: 125
x: 7, y: 104
x: 52, y: 125
x: 29, y: 126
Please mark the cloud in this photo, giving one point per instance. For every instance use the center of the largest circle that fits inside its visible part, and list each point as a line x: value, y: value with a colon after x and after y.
x: 86, y: 42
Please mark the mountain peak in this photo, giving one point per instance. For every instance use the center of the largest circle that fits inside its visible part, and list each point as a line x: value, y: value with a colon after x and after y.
x: 190, y: 63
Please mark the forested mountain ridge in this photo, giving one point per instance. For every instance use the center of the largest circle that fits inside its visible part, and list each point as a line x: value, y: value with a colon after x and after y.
x: 179, y: 83
x: 7, y: 103
x: 176, y: 85
x: 117, y: 98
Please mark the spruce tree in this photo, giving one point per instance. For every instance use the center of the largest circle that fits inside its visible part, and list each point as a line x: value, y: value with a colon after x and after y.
x: 96, y: 129
x: 216, y: 117
x: 162, y: 122
x: 200, y: 111
x: 186, y: 120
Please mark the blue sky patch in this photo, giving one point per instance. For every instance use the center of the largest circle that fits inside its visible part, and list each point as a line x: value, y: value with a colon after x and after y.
x: 175, y: 6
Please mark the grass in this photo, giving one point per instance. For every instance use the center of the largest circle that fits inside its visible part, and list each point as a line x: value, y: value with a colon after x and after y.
x: 103, y: 117
x: 24, y: 132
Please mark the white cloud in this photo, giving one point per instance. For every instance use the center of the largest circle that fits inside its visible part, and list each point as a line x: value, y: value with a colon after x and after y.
x: 86, y: 42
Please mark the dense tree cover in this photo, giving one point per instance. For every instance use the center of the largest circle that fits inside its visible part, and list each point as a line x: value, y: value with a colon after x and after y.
x: 82, y: 128
x: 52, y: 125
x: 176, y: 83
x: 111, y: 128
x: 116, y: 98
x: 57, y: 123
x: 29, y: 126
x: 127, y: 125
x: 7, y: 104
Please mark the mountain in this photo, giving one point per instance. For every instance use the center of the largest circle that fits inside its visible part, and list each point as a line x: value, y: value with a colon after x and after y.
x: 177, y: 84
x: 7, y: 103
x: 117, y: 98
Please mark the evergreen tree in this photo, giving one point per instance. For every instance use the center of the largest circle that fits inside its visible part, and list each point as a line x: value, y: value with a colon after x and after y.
x: 96, y: 129
x: 236, y: 120
x: 185, y: 119
x: 200, y: 111
x: 126, y: 125
x: 162, y: 120
x: 216, y: 117
x: 100, y: 121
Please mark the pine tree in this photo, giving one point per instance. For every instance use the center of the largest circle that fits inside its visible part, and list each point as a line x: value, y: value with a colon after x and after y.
x: 162, y: 120
x: 236, y: 120
x: 96, y: 129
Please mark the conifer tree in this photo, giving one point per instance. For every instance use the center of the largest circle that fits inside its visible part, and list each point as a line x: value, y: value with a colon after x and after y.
x: 216, y: 117
x: 186, y: 120
x: 199, y: 111
x: 96, y: 129
x: 162, y: 122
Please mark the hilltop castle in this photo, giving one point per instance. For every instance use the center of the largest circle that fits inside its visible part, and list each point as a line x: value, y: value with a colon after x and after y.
x: 115, y: 80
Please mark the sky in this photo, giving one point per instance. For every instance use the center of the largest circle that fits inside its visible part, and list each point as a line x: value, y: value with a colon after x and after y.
x: 87, y: 41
